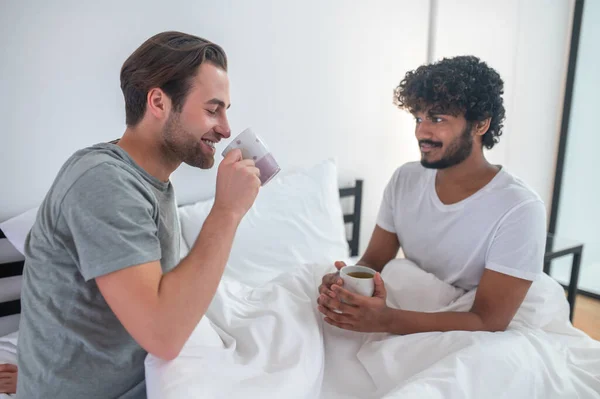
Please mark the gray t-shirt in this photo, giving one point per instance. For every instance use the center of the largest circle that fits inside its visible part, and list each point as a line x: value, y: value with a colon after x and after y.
x: 103, y: 213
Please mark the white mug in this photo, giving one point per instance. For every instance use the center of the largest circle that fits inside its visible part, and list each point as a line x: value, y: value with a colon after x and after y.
x: 254, y: 148
x: 360, y: 286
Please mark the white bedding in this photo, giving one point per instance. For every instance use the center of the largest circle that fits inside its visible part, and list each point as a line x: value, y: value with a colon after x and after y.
x: 271, y: 342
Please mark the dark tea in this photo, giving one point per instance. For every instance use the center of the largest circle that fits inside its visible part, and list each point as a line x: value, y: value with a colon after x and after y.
x: 360, y: 275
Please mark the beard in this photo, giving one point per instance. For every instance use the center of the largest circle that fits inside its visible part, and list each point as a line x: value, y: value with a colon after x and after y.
x: 183, y: 146
x: 458, y: 150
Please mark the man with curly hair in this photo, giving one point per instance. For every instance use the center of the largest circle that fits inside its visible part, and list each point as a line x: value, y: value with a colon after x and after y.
x: 470, y: 223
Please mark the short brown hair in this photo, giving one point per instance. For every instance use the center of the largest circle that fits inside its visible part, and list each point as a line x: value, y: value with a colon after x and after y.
x: 168, y: 61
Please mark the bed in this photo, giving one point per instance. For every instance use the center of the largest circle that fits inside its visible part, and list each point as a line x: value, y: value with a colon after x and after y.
x: 263, y: 337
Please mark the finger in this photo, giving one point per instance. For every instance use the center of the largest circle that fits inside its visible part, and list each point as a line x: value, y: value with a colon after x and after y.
x: 247, y: 163
x: 323, y: 289
x: 233, y: 156
x: 336, y: 316
x: 344, y: 326
x: 8, y: 367
x: 329, y: 303
x: 336, y: 279
x: 326, y: 290
x: 332, y: 278
x: 379, y: 291
x: 346, y: 296
x: 255, y: 171
x: 334, y: 305
x: 348, y: 310
x: 339, y: 264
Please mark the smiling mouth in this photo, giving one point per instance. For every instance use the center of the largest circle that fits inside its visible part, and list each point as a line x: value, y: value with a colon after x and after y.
x: 427, y: 147
x: 209, y: 143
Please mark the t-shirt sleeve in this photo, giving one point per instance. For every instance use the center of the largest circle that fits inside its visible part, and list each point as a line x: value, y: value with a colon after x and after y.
x: 517, y: 248
x: 109, y: 221
x: 385, y: 217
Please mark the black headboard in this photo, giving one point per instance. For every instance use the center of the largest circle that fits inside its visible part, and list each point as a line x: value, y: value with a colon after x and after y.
x: 8, y: 270
x: 16, y: 268
x: 354, y: 217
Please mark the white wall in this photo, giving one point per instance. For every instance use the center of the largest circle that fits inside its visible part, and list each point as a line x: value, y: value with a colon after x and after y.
x: 315, y: 78
x: 578, y: 213
x: 526, y: 41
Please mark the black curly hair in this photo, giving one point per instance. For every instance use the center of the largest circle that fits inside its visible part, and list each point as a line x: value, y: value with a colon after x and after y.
x: 459, y: 85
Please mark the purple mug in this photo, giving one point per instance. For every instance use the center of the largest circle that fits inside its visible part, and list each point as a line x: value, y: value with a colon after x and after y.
x: 253, y: 148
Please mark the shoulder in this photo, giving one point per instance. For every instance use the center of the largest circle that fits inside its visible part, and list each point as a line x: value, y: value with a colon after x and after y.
x: 518, y: 203
x: 514, y: 192
x: 95, y: 175
x: 410, y: 175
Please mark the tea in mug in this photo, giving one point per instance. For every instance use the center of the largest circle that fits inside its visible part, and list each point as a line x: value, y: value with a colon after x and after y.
x: 360, y: 275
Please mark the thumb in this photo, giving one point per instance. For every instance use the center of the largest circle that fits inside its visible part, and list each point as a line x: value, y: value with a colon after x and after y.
x: 380, y: 291
x: 233, y: 156
x: 339, y: 265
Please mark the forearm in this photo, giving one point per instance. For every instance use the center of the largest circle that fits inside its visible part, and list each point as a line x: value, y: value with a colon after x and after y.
x: 406, y: 322
x: 382, y: 248
x: 372, y: 263
x: 186, y: 292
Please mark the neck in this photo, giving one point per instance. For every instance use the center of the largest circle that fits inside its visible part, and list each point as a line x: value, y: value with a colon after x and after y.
x: 141, y: 145
x: 473, y: 169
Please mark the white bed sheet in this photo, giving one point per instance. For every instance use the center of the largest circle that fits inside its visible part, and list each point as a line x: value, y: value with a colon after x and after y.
x: 271, y: 342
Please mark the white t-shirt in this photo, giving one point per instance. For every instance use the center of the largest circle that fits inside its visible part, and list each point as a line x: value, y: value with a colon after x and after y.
x: 502, y: 227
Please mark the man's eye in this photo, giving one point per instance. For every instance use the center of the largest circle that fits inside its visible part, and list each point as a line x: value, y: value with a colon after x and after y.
x: 418, y: 120
x: 437, y: 120
x: 211, y: 112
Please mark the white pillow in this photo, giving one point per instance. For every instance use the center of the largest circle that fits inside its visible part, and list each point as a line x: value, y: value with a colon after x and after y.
x: 17, y: 228
x: 296, y: 219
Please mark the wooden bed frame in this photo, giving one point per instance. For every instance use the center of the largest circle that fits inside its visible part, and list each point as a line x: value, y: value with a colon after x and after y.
x: 16, y: 268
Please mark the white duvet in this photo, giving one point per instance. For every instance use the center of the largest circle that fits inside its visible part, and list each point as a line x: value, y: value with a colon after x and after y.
x: 271, y: 342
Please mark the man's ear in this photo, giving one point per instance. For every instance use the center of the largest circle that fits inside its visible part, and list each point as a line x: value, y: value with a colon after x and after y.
x: 158, y: 103
x: 481, y: 127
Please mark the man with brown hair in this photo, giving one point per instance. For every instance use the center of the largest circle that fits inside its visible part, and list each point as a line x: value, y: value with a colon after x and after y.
x: 103, y: 283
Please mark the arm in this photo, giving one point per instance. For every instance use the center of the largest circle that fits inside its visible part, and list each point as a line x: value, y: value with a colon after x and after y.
x: 161, y: 311
x: 497, y: 300
x: 384, y: 243
x: 382, y: 248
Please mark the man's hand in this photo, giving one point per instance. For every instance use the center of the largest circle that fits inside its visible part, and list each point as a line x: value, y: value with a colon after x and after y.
x: 330, y: 279
x: 237, y: 184
x: 8, y: 378
x: 358, y: 313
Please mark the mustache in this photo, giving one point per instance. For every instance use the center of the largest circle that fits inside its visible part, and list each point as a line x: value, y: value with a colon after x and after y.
x: 430, y: 142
